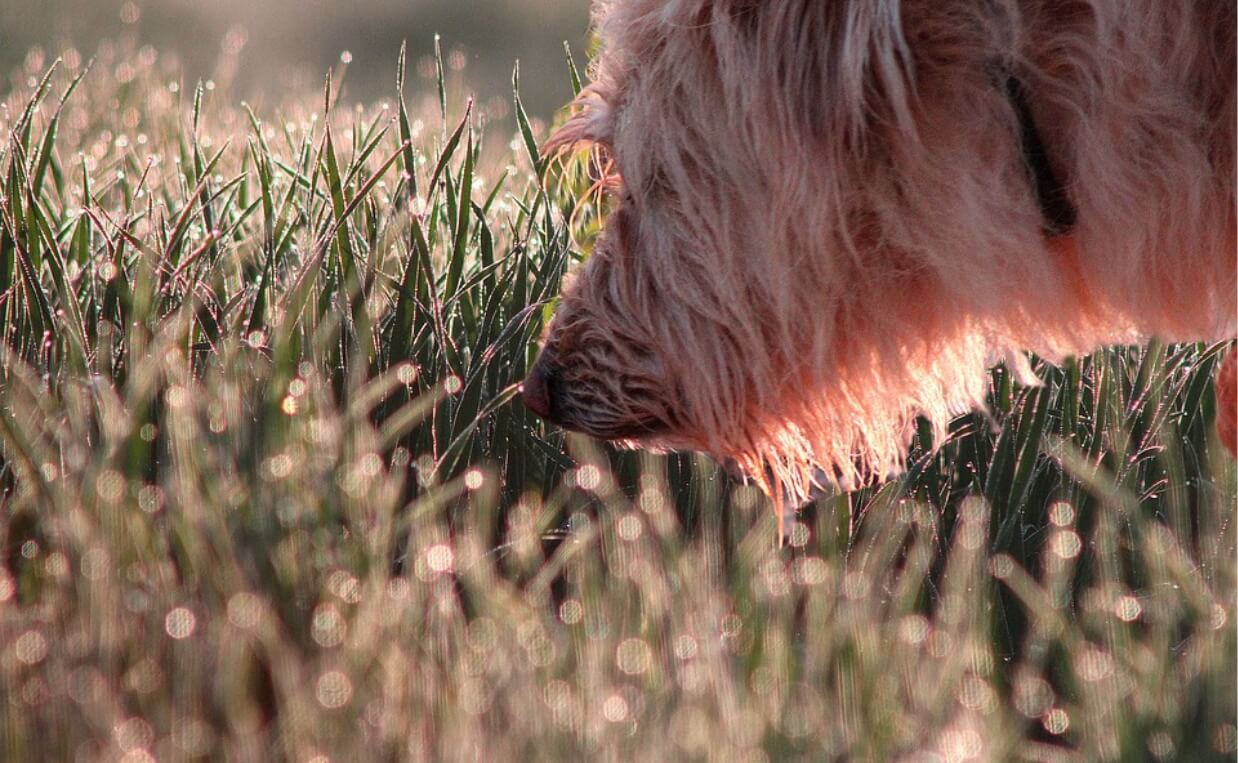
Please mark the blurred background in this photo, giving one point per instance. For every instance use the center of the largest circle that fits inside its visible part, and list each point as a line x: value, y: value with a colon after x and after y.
x: 265, y: 48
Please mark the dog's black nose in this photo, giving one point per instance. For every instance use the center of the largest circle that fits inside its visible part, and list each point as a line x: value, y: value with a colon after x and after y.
x: 535, y: 391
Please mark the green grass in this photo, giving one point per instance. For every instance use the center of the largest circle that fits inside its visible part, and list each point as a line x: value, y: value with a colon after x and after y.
x: 262, y: 495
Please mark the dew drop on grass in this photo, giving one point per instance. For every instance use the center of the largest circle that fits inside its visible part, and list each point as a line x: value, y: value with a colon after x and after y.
x: 328, y: 626
x: 1067, y: 544
x: 810, y: 571
x: 30, y: 647
x: 1161, y: 745
x: 571, y: 612
x: 1225, y: 738
x: 133, y: 735
x: 193, y: 736
x: 400, y: 457
x: 180, y: 623
x: 85, y: 685
x: 110, y: 486
x: 1061, y: 513
x: 629, y: 527
x: 333, y: 689
x: 407, y: 373
x: 1001, y: 566
x: 1218, y: 618
x: 1094, y: 665
x: 95, y: 564
x: 150, y: 499
x: 345, y: 586
x: 652, y: 500
x: 685, y: 647
x: 1128, y: 609
x: 615, y: 708
x: 56, y: 564
x: 1056, y: 721
x: 632, y: 656
x: 370, y: 465
x: 588, y: 477
x: 244, y: 610
x: 397, y: 589
x: 440, y: 557
x: 177, y: 397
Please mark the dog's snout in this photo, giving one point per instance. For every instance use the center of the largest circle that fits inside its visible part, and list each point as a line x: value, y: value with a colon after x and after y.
x: 535, y: 391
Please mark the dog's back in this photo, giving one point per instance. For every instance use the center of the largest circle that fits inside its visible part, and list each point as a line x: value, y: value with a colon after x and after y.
x: 1138, y: 99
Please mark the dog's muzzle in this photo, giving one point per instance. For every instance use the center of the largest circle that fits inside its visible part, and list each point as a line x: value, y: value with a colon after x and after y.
x: 537, y: 392
x: 545, y: 393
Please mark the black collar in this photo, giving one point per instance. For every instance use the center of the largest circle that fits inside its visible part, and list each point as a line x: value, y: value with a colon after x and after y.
x: 1056, y: 209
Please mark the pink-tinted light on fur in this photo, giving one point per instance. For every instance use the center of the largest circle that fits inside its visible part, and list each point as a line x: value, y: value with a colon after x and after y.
x: 825, y: 227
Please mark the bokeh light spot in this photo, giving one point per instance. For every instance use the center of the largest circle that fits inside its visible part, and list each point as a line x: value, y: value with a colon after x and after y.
x: 1128, y: 608
x: 333, y: 689
x: 615, y: 708
x: 571, y: 612
x: 632, y: 656
x: 1061, y: 513
x: 1056, y: 721
x: 440, y: 557
x: 180, y: 623
x: 30, y: 647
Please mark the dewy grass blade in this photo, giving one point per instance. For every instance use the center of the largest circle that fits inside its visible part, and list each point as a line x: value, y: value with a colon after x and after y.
x: 171, y: 249
x: 571, y: 68
x: 406, y: 133
x: 49, y: 136
x: 416, y: 288
x: 25, y: 123
x: 526, y: 129
x: 30, y: 278
x: 449, y: 148
x: 294, y: 303
x: 68, y: 300
x: 339, y: 203
x: 459, y: 252
x: 441, y: 80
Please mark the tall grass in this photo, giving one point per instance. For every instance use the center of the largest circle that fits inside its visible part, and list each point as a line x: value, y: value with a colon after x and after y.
x: 264, y: 495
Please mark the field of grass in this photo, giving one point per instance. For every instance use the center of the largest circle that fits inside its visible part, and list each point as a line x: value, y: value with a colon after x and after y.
x: 264, y: 493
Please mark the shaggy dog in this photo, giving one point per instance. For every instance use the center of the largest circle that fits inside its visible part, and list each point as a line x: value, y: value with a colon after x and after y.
x: 833, y: 215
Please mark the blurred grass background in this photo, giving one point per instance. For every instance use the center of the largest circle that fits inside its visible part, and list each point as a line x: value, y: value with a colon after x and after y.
x: 264, y: 494
x: 272, y: 47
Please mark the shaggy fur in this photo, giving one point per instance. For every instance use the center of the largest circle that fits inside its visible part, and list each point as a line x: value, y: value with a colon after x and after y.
x: 825, y: 226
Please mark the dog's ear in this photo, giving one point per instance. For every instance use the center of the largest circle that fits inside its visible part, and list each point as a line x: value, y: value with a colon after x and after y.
x: 591, y: 125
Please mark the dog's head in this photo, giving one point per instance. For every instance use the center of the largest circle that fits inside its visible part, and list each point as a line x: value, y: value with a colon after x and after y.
x: 650, y: 338
x: 774, y: 286
x: 601, y: 370
x: 690, y: 325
